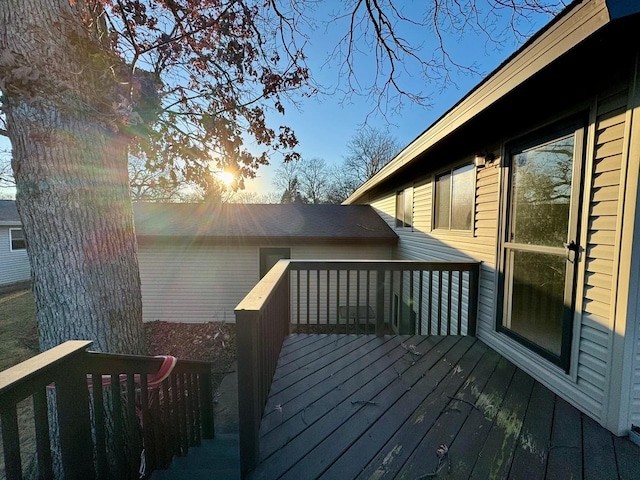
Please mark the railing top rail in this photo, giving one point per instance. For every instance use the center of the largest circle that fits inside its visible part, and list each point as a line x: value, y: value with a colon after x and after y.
x: 40, y: 364
x: 18, y: 381
x: 381, y: 264
x: 111, y: 363
x: 264, y: 289
x: 128, y: 359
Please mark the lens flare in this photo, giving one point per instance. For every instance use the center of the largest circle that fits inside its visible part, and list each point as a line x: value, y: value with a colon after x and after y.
x: 226, y: 177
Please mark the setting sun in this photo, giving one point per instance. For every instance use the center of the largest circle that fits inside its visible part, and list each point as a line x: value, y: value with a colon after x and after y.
x: 226, y: 177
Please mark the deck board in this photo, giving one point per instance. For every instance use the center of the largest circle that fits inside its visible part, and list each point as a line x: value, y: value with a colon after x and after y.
x: 467, y: 444
x: 419, y: 407
x: 331, y: 392
x: 425, y: 390
x: 494, y: 459
x: 565, y: 450
x: 348, y: 406
x: 531, y: 455
x: 436, y: 421
x: 627, y: 458
x: 599, y: 455
x: 289, y: 373
x: 298, y: 398
x: 424, y: 373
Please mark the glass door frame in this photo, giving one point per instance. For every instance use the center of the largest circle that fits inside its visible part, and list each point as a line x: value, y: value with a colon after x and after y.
x: 575, y: 127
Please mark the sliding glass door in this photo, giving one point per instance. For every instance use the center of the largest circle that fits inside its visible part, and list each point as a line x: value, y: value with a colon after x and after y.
x: 540, y: 248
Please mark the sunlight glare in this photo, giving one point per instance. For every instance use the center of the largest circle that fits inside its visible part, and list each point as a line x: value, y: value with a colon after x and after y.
x: 226, y: 177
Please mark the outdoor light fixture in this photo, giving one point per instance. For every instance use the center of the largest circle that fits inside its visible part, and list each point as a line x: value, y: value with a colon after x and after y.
x: 483, y: 158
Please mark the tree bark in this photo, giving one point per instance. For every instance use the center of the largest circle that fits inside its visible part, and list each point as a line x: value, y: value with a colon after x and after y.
x: 70, y: 167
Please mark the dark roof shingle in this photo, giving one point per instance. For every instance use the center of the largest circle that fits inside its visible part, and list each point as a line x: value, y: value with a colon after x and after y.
x: 233, y: 221
x: 290, y: 221
x: 9, y: 213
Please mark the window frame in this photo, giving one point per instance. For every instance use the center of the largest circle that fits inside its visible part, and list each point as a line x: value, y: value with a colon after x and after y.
x: 406, y: 194
x: 577, y: 126
x: 23, y: 240
x: 434, y: 215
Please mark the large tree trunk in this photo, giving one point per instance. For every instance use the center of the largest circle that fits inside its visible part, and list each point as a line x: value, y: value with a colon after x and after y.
x: 70, y: 167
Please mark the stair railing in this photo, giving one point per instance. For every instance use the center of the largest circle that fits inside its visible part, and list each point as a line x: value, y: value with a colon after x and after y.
x: 109, y: 416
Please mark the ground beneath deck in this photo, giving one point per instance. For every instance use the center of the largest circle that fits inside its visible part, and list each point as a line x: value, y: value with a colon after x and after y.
x: 358, y: 406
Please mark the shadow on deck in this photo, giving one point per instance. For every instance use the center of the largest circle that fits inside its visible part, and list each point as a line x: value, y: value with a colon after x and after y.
x: 359, y: 406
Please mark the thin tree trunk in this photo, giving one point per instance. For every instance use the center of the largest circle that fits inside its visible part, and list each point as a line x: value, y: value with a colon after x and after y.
x: 70, y: 168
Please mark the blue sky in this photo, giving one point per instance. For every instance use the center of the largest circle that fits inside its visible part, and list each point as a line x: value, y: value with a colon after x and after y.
x: 324, y: 126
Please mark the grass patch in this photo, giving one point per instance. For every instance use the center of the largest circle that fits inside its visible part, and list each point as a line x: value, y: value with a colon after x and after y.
x: 18, y: 328
x: 18, y: 342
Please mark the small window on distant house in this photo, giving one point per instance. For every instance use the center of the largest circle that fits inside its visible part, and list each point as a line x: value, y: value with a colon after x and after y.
x: 404, y: 208
x: 16, y: 236
x: 454, y: 196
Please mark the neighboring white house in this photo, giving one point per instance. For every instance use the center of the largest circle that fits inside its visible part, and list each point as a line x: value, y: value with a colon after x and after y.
x: 14, y: 262
x: 535, y: 173
x: 197, y: 261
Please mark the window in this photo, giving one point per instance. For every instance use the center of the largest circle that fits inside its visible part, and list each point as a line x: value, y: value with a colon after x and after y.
x: 404, y: 208
x: 16, y: 237
x: 455, y: 192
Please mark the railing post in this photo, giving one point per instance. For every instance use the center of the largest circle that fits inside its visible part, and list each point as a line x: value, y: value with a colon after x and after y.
x: 11, y: 441
x: 379, y: 302
x: 249, y: 407
x: 474, y: 275
x: 74, y: 421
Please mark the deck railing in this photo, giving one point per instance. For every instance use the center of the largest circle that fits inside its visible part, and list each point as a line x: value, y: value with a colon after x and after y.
x: 406, y: 297
x: 108, y: 421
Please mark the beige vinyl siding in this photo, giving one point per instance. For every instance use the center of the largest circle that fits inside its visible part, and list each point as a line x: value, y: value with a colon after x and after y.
x: 14, y: 265
x: 341, y: 252
x: 422, y: 243
x: 195, y: 284
x: 596, y: 323
x: 386, y: 208
x: 487, y: 204
x: 422, y: 214
x: 486, y: 235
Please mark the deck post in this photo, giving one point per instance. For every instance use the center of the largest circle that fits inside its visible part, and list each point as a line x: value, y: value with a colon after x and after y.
x: 379, y: 302
x: 474, y: 275
x: 250, y: 410
x: 76, y: 443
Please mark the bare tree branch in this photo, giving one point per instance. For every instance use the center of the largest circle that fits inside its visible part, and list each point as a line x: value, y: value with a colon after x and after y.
x: 370, y: 149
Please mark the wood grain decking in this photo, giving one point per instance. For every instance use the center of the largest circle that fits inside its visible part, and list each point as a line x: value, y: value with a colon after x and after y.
x: 358, y: 406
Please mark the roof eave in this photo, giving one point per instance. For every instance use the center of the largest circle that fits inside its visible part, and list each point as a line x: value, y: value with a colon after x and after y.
x: 572, y: 26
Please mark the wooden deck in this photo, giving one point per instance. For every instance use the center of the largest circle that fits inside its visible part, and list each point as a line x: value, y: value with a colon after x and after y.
x: 356, y: 406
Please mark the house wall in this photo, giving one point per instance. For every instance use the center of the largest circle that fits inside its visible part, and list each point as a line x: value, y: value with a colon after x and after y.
x: 593, y: 357
x: 192, y: 284
x: 422, y: 243
x: 624, y: 392
x: 14, y: 266
x: 601, y: 236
